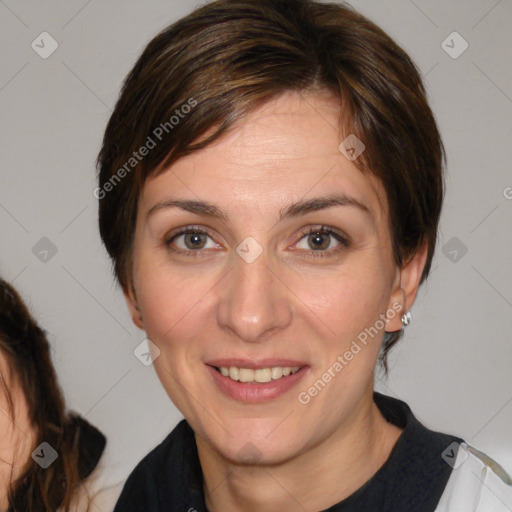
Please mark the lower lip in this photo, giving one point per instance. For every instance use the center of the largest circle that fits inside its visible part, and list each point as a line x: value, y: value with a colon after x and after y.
x: 256, y: 392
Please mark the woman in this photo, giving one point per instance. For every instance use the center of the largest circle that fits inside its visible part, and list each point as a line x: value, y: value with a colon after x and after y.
x: 48, y: 456
x: 270, y: 186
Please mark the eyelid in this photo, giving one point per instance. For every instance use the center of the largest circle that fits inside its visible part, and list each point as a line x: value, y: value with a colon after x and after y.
x: 185, y: 229
x: 321, y: 228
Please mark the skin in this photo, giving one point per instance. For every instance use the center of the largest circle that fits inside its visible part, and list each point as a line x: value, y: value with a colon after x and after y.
x: 16, y: 432
x: 283, y: 304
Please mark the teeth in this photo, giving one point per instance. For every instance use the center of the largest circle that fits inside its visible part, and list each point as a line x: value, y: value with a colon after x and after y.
x: 262, y: 375
x: 276, y: 372
x: 259, y: 375
x: 246, y: 375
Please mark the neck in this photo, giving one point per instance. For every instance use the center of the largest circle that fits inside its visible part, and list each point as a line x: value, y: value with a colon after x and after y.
x: 314, y: 480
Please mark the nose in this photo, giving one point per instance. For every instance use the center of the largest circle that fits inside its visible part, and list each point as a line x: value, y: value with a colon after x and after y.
x: 254, y: 301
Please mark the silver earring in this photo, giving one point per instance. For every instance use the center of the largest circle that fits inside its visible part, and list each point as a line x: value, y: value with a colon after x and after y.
x: 406, y: 319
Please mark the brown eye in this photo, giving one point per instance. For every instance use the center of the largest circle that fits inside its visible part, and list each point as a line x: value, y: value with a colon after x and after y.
x: 322, y: 242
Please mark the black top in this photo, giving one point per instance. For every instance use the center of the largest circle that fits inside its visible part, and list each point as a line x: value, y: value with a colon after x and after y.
x: 412, y: 479
x: 91, y: 445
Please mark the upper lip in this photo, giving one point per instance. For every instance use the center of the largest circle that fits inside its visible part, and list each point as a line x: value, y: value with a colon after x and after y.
x: 254, y: 364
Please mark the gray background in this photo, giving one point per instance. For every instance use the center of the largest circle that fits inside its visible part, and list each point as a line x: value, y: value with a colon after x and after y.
x: 454, y: 365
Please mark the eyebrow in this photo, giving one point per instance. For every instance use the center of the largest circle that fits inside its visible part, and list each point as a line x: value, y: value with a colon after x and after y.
x: 291, y: 211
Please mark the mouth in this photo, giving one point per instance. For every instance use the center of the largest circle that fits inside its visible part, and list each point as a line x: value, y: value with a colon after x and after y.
x: 260, y: 375
x: 251, y: 382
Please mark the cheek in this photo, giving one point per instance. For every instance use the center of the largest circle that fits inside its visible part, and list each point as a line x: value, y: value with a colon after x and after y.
x: 172, y: 301
x: 174, y: 319
x: 345, y: 301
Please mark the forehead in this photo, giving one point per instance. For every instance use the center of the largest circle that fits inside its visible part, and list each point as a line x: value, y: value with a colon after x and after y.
x: 284, y: 151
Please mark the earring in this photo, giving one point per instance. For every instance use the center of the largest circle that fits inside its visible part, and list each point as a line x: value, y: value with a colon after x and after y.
x: 406, y: 319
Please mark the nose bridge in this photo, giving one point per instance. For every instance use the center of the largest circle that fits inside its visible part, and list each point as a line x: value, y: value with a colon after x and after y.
x: 253, y: 301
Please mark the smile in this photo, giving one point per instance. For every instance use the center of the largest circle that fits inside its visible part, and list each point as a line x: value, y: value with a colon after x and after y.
x: 257, y: 375
x: 262, y: 383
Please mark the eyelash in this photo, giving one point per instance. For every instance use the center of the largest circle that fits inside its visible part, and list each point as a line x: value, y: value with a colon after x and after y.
x: 324, y: 230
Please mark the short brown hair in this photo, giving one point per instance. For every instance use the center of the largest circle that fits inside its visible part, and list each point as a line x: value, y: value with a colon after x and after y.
x: 226, y: 59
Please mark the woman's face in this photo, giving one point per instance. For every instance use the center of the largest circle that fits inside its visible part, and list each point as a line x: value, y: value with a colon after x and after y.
x: 252, y: 289
x: 17, y: 435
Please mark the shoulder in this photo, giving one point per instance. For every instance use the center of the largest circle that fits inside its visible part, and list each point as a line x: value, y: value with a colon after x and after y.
x: 141, y: 489
x: 94, y: 495
x: 100, y: 489
x: 477, y: 484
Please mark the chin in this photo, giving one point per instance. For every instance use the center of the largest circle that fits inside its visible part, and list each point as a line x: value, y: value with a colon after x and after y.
x: 257, y: 441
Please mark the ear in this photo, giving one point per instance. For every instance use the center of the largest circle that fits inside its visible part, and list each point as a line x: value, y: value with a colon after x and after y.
x: 133, y: 307
x: 406, y: 287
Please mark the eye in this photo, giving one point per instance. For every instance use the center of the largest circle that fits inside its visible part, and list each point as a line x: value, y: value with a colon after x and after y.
x: 319, y: 241
x: 322, y: 242
x: 190, y: 240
